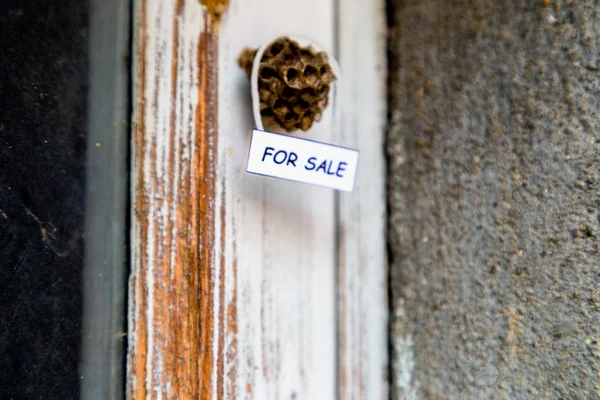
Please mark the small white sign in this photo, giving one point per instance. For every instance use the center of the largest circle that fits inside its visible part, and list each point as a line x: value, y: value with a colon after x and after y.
x: 302, y: 160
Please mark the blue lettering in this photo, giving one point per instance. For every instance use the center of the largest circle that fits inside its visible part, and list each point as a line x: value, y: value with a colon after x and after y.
x: 311, y: 162
x: 292, y: 159
x: 322, y: 166
x: 267, y: 153
x: 329, y: 169
x: 341, y: 168
x: 276, y: 154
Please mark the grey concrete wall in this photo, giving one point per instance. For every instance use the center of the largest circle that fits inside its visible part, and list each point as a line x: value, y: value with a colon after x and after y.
x: 494, y: 158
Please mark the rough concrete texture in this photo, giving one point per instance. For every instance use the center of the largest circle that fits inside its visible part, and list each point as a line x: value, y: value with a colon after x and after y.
x: 494, y: 158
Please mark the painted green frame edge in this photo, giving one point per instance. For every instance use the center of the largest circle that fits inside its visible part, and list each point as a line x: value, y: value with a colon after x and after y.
x: 106, y: 206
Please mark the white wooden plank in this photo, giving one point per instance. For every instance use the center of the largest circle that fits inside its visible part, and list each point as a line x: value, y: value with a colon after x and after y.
x: 283, y: 233
x: 363, y: 264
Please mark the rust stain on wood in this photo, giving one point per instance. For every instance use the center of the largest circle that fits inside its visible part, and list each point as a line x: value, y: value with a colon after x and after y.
x: 179, y: 7
x: 170, y: 357
x: 206, y: 132
x: 216, y: 8
x: 172, y: 354
x: 232, y: 329
x: 221, y: 339
x: 137, y: 293
x: 232, y: 307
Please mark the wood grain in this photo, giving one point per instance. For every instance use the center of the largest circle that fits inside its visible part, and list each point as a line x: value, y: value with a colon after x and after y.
x: 283, y: 231
x: 362, y: 271
x: 173, y: 345
x: 234, y: 284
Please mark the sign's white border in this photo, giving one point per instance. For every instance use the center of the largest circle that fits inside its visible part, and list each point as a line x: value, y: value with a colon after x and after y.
x: 275, y: 174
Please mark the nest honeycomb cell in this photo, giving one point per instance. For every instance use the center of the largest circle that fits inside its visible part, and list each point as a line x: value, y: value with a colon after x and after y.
x: 293, y: 84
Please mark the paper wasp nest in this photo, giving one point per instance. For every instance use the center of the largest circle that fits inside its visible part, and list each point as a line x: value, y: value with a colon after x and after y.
x: 293, y: 84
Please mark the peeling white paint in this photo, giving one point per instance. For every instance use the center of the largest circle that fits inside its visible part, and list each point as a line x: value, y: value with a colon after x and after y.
x: 279, y: 261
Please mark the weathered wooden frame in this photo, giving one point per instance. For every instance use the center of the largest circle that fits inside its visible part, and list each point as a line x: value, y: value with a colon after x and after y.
x: 247, y: 287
